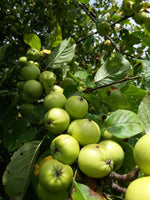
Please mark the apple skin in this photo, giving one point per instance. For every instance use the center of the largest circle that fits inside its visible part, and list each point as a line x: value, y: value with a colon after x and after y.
x: 55, y: 176
x: 94, y: 161
x: 45, y: 195
x: 56, y: 120
x: 116, y: 152
x: 65, y: 149
x: 140, y: 17
x: 141, y: 153
x: 138, y: 189
x: 54, y: 100
x: 85, y: 131
x: 103, y: 28
x: 76, y: 106
x: 128, y: 7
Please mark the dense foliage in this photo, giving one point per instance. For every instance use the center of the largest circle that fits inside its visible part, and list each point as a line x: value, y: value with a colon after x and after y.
x: 109, y: 68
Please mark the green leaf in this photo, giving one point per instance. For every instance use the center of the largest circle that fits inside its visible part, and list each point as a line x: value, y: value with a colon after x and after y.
x: 3, y: 51
x: 33, y: 41
x: 123, y: 124
x: 17, y: 175
x: 83, y: 192
x: 63, y: 53
x: 113, y: 69
x: 134, y: 96
x: 144, y: 113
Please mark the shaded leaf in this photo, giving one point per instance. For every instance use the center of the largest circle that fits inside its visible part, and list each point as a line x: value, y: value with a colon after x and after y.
x: 113, y: 69
x: 144, y: 113
x: 83, y: 1
x: 123, y: 124
x: 17, y: 175
x: 83, y: 192
x: 63, y: 53
x: 33, y: 41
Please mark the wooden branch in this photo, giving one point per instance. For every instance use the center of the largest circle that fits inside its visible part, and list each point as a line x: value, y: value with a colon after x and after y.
x: 110, y: 84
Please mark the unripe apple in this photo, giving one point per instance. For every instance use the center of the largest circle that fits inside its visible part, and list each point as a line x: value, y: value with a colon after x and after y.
x: 103, y: 28
x: 138, y: 189
x: 116, y: 152
x: 65, y: 149
x: 142, y: 153
x: 54, y: 100
x: 55, y: 176
x: 128, y: 7
x: 85, y: 131
x: 30, y: 72
x: 56, y: 120
x: 140, y: 17
x: 94, y: 161
x: 76, y: 106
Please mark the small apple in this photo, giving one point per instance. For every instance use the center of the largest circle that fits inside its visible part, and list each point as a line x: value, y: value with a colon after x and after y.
x: 30, y: 72
x: 138, y: 189
x: 128, y: 7
x: 56, y: 120
x: 95, y: 161
x: 108, y: 46
x: 54, y: 100
x: 33, y: 54
x: 85, y: 131
x: 23, y: 60
x: 26, y: 109
x: 116, y: 152
x: 42, y: 194
x: 56, y: 88
x: 55, y: 176
x: 140, y: 17
x: 76, y: 106
x: 32, y: 89
x: 141, y: 153
x: 67, y: 81
x: 47, y: 78
x: 103, y: 28
x: 65, y: 149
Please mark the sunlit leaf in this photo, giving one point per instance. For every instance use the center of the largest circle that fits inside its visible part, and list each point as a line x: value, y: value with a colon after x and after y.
x: 83, y: 192
x: 144, y: 113
x: 33, y: 41
x: 123, y: 124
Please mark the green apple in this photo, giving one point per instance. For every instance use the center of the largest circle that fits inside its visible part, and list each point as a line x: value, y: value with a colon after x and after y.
x: 116, y: 152
x: 95, y: 161
x: 128, y: 7
x: 108, y: 46
x: 30, y: 72
x: 33, y: 54
x: 55, y: 176
x: 103, y: 28
x: 23, y: 60
x: 67, y: 81
x: 141, y: 153
x: 56, y: 88
x: 140, y: 17
x: 54, y: 100
x: 56, y: 120
x: 76, y: 106
x: 32, y: 89
x: 85, y: 131
x: 138, y: 189
x: 65, y: 149
x: 26, y: 109
x: 42, y: 194
x: 47, y: 78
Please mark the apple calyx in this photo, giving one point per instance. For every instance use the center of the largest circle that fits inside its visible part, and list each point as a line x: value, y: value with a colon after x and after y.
x: 59, y: 172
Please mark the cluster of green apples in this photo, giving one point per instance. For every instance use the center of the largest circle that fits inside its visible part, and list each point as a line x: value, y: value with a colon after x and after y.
x: 140, y: 188
x: 77, y: 141
x: 135, y: 8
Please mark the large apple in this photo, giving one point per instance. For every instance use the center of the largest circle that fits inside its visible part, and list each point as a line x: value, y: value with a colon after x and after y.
x: 76, y: 106
x: 65, y: 149
x: 138, y: 189
x: 95, y: 161
x: 30, y: 72
x: 42, y: 194
x: 54, y: 100
x: 116, y: 152
x: 141, y: 153
x: 85, y: 131
x: 56, y: 120
x: 55, y: 176
x: 140, y: 17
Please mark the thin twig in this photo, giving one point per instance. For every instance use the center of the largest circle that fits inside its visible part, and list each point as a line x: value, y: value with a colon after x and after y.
x: 110, y: 84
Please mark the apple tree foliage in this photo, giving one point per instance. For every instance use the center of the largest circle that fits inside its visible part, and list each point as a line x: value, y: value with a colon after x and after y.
x: 114, y: 77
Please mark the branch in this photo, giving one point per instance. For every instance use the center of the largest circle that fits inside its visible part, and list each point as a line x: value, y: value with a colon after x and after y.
x: 87, y: 12
x: 132, y: 175
x: 118, y: 188
x: 84, y: 38
x: 113, y: 83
